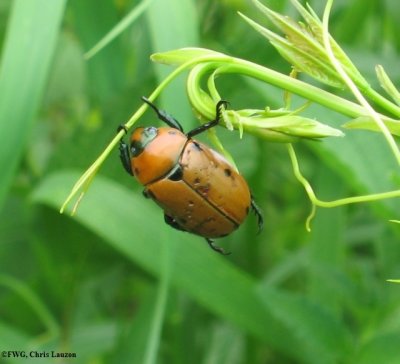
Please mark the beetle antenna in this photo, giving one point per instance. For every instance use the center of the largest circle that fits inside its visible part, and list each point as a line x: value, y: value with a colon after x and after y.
x: 163, y: 115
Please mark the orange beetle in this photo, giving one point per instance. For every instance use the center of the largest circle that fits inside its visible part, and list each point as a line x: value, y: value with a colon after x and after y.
x: 198, y: 189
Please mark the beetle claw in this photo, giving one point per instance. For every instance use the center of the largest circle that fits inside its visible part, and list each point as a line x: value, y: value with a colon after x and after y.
x: 258, y: 213
x: 216, y: 247
x: 122, y: 127
x: 220, y: 104
x: 124, y: 151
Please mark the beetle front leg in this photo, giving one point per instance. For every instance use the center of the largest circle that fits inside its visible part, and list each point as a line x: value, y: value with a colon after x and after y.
x: 163, y: 115
x: 124, y: 155
x: 210, y: 124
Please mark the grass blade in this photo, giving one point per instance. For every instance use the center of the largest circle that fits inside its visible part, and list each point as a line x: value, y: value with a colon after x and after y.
x: 130, y: 18
x: 127, y: 222
x: 29, y: 46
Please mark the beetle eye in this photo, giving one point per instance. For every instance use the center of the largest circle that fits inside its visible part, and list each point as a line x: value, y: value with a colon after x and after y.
x: 136, y: 148
x: 139, y: 144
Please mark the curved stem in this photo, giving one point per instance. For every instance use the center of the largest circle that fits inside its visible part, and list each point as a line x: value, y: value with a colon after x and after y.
x: 225, y: 64
x: 294, y: 86
x: 334, y: 203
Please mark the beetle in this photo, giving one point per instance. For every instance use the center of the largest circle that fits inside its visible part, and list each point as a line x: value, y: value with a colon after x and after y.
x: 198, y: 189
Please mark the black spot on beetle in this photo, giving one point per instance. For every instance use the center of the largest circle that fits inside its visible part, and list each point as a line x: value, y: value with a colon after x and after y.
x: 203, y: 189
x: 197, y: 146
x: 227, y: 172
x: 176, y: 174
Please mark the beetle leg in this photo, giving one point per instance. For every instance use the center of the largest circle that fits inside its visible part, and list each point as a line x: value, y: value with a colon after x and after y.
x: 210, y: 124
x: 216, y: 248
x: 146, y: 193
x: 124, y: 152
x: 257, y: 211
x: 172, y: 222
x: 164, y: 116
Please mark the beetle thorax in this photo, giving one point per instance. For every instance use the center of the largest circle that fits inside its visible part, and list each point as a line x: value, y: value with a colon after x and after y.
x: 155, y: 151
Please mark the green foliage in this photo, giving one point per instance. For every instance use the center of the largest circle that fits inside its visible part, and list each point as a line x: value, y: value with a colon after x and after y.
x: 24, y: 70
x: 114, y: 284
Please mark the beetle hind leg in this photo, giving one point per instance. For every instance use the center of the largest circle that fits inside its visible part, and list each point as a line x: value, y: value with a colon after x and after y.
x: 257, y: 211
x: 174, y: 224
x: 216, y: 247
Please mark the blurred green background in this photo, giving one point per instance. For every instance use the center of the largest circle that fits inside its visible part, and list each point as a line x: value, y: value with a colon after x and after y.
x: 114, y: 284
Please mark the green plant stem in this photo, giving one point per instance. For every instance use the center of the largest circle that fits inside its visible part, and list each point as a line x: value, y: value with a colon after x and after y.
x: 356, y: 92
x: 383, y: 102
x: 312, y: 93
x: 294, y: 86
x: 339, y: 202
x: 221, y: 64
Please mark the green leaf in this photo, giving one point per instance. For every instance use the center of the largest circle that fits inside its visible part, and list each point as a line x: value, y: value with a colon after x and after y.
x: 27, y: 53
x: 173, y: 24
x: 11, y: 337
x: 387, y: 84
x: 134, y: 341
x: 382, y: 348
x: 303, y: 46
x: 183, y: 55
x: 125, y: 220
x: 33, y: 301
x: 367, y: 123
x: 106, y: 70
x: 302, y: 59
x: 122, y: 25
x: 134, y: 226
x: 292, y: 125
x: 323, y: 337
